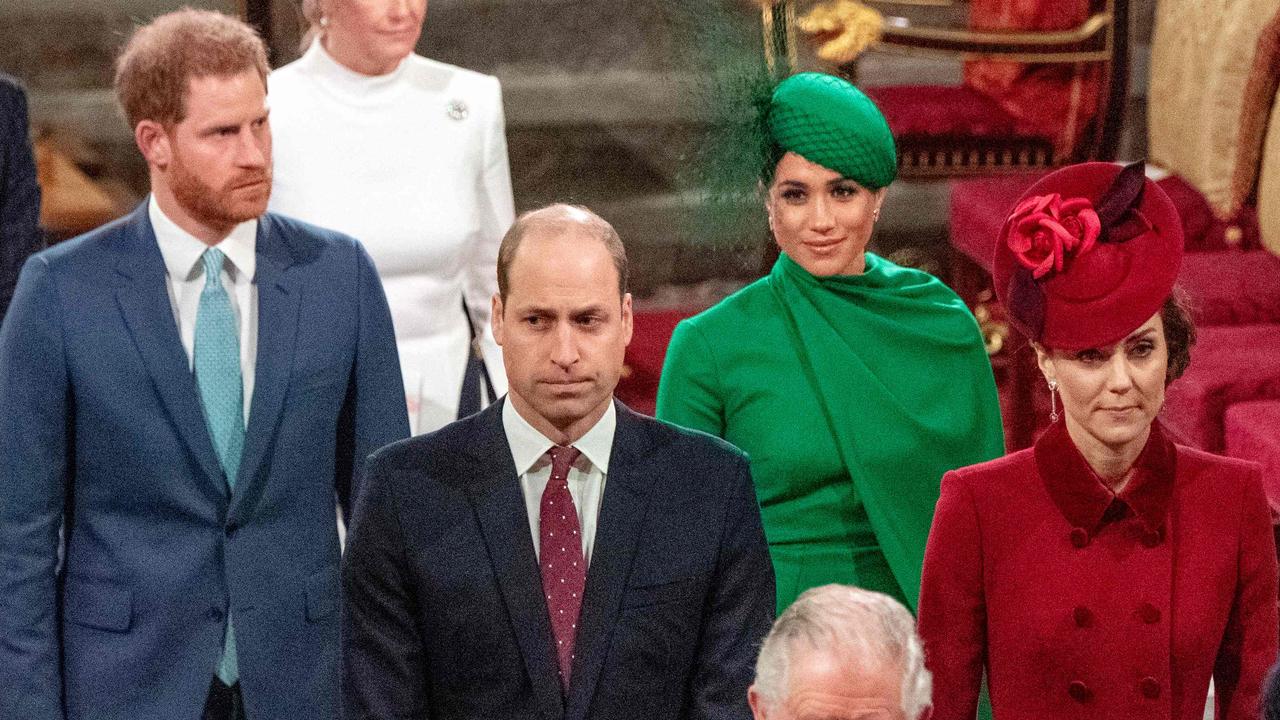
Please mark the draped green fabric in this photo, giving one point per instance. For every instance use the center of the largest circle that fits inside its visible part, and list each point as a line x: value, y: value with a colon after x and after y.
x: 852, y: 395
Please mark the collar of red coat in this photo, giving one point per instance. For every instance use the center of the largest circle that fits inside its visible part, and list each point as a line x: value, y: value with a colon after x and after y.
x: 1081, y: 495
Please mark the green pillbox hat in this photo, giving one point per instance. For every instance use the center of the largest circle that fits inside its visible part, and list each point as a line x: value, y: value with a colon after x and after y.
x: 827, y: 120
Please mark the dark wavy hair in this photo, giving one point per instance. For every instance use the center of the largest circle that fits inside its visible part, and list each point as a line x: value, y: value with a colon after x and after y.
x: 1179, y: 334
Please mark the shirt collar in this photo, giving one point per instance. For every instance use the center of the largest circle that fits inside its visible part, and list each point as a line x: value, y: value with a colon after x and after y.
x: 529, y: 446
x: 1082, y: 497
x: 182, y: 251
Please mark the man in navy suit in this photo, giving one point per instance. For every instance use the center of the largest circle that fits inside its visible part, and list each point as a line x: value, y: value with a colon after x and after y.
x: 185, y: 392
x: 19, y: 193
x: 557, y: 555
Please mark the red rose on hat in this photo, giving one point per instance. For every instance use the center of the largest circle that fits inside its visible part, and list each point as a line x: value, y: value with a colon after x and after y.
x: 1045, y: 230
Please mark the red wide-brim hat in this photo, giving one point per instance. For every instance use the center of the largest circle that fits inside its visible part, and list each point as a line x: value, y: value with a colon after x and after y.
x: 1087, y: 255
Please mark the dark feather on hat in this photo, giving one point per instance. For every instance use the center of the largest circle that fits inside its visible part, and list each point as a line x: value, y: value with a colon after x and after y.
x: 1117, y: 208
x: 1026, y: 303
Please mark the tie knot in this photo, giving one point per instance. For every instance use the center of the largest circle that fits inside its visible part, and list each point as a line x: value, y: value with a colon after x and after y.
x: 561, y: 458
x: 213, y: 260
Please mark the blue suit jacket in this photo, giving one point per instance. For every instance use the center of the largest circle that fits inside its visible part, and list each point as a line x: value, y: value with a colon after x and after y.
x: 102, y: 428
x: 444, y: 616
x: 19, y: 194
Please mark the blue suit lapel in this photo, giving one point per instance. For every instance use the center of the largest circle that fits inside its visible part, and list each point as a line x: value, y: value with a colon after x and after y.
x: 627, y: 496
x: 504, y: 522
x: 278, y: 301
x: 144, y: 301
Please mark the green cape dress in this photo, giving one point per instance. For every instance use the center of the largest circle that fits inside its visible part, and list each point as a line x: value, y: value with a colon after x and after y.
x: 852, y: 395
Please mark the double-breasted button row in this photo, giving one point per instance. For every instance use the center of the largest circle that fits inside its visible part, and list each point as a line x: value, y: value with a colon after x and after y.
x: 1149, y: 614
x: 1081, y: 693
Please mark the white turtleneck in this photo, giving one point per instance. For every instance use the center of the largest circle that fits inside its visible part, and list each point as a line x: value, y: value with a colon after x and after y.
x: 414, y: 165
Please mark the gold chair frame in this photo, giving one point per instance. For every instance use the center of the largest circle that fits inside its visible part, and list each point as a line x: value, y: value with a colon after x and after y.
x: 1102, y: 37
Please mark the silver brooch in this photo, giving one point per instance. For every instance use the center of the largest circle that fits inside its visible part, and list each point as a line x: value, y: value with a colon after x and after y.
x: 457, y: 110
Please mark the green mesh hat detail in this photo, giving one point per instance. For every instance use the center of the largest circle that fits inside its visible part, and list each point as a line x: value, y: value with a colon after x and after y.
x: 827, y: 120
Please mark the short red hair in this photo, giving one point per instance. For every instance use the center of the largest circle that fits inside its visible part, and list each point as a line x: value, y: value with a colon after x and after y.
x: 158, y: 62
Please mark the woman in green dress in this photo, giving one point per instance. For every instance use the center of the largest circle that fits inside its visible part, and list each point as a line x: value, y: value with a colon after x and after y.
x: 852, y: 383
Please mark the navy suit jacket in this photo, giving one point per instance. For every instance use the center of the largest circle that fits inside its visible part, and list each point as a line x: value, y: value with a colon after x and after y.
x: 19, y: 194
x: 102, y: 432
x: 443, y: 611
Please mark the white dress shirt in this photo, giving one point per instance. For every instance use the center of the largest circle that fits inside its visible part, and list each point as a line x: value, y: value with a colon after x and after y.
x: 185, y: 274
x: 587, y: 475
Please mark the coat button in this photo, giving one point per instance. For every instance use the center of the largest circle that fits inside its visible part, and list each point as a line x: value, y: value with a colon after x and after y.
x: 231, y: 530
x: 1152, y: 538
x: 1149, y: 613
x: 1079, y: 692
x: 1083, y: 616
x: 1150, y: 688
x: 1079, y: 537
x: 215, y: 614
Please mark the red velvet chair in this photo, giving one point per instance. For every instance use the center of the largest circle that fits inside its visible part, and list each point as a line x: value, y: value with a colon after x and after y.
x: 1251, y: 433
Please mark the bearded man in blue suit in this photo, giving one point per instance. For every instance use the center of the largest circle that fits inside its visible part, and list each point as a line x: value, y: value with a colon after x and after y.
x: 185, y: 392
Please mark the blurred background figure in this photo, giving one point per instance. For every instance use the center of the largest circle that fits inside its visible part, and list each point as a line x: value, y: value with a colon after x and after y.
x: 841, y: 652
x: 408, y: 155
x: 19, y: 194
x: 853, y: 383
x: 1106, y: 572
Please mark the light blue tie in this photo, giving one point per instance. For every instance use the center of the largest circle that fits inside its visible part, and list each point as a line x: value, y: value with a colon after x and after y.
x: 217, y: 366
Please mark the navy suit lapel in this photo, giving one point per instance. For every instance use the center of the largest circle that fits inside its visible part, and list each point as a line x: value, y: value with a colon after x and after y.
x: 504, y: 522
x: 278, y: 303
x: 144, y: 301
x: 627, y: 496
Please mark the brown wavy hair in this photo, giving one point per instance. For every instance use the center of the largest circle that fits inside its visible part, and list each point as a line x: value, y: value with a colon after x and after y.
x: 1179, y: 334
x: 160, y: 58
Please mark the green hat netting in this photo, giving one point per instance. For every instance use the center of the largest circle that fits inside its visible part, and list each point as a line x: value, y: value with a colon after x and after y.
x: 827, y: 120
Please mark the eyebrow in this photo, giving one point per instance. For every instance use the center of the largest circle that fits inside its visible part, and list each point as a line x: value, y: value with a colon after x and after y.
x: 574, y: 312
x: 1140, y: 335
x: 837, y: 181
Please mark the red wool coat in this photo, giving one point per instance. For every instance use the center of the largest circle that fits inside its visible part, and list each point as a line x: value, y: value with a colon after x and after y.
x: 1086, y: 604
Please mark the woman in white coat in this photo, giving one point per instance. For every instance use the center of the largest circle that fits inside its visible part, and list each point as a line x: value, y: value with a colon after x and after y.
x: 409, y: 156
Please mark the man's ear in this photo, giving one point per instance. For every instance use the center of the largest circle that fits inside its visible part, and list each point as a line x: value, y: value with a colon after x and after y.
x: 495, y: 317
x: 627, y: 317
x: 153, y: 142
x: 756, y: 702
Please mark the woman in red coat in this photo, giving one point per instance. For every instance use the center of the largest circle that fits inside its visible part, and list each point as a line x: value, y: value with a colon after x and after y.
x: 1106, y: 572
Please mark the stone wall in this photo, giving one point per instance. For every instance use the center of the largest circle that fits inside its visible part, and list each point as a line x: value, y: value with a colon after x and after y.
x: 597, y: 95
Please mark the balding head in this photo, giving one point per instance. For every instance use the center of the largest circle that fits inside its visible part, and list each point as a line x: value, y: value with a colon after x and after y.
x: 562, y: 328
x: 560, y: 219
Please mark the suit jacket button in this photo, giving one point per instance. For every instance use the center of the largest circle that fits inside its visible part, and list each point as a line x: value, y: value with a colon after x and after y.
x: 1150, y: 688
x: 1079, y: 692
x: 1079, y: 537
x: 1152, y: 538
x: 1083, y: 616
x: 215, y: 614
x: 1149, y: 613
x: 231, y: 530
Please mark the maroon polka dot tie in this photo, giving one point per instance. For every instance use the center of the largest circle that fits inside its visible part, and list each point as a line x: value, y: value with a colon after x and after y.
x: 564, y: 572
